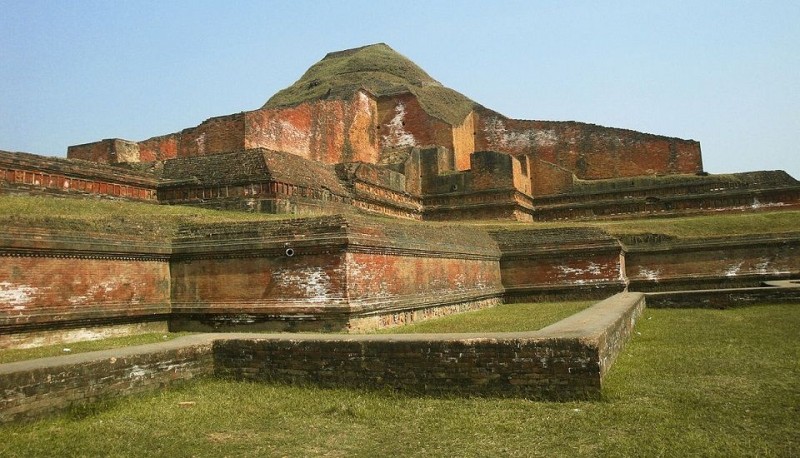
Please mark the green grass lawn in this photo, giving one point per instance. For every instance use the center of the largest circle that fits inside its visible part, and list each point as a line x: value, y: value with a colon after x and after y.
x: 502, y: 318
x: 690, y: 383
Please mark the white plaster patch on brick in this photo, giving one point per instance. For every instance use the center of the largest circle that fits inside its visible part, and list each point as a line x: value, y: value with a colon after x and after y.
x: 763, y: 266
x: 732, y: 271
x: 201, y: 143
x: 461, y: 281
x: 481, y: 282
x: 593, y: 269
x: 17, y: 296
x: 650, y: 274
x: 137, y: 372
x: 362, y: 101
x: 498, y: 134
x: 170, y: 366
x: 313, y: 282
x: 546, y: 137
x: 398, y: 136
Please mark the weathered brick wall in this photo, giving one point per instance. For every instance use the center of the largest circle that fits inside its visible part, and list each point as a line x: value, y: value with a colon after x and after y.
x: 339, y: 268
x: 464, y: 142
x: 491, y: 170
x: 560, y: 264
x: 657, y: 263
x: 772, y: 292
x: 587, y: 150
x: 379, y: 189
x: 254, y: 180
x: 375, y: 278
x: 31, y: 174
x: 588, y: 206
x: 328, y: 131
x: 403, y: 122
x: 495, y: 187
x: 547, y: 178
x: 32, y: 389
x: 564, y: 361
x: 221, y: 134
x: 159, y: 148
x: 475, y: 365
x: 55, y: 279
x: 254, y: 289
x: 109, y: 151
x: 499, y: 204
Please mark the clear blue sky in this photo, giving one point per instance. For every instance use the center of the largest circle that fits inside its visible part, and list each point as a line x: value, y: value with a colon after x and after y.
x: 726, y: 73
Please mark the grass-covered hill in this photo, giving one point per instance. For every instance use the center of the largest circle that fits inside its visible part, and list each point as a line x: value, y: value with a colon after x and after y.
x: 381, y: 71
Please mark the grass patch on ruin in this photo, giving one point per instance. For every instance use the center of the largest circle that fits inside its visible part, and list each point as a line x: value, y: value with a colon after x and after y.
x: 691, y: 382
x: 113, y: 216
x: 684, y: 227
x: 13, y: 354
x: 157, y: 221
x: 502, y: 318
x: 710, y: 225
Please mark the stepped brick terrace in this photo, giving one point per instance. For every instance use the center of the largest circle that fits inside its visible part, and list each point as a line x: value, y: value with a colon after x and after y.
x: 376, y: 168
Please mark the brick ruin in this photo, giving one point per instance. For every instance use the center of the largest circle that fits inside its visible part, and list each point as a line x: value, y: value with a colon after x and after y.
x: 367, y: 131
x: 374, y: 131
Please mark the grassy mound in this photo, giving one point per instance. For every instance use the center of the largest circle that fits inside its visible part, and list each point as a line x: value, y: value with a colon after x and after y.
x: 379, y: 70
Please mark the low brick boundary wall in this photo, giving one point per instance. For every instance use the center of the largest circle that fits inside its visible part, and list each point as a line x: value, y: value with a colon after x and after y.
x: 31, y: 389
x: 564, y: 361
x: 787, y: 291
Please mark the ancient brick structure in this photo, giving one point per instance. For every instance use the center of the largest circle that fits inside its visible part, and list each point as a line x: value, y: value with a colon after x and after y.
x: 341, y: 272
x: 30, y: 174
x: 366, y: 130
x: 404, y: 145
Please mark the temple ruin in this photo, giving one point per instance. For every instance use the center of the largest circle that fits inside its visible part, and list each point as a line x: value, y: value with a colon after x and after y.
x: 364, y: 132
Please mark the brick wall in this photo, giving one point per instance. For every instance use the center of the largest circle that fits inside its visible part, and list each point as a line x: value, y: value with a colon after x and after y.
x: 109, y: 151
x: 564, y: 361
x: 328, y: 131
x: 656, y: 263
x: 56, y: 279
x: 32, y: 389
x: 346, y: 271
x: 339, y: 269
x: 587, y: 150
x: 221, y: 134
x: 30, y: 174
x: 547, y: 178
x: 403, y: 122
x: 560, y: 264
x: 159, y: 148
x: 464, y: 142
